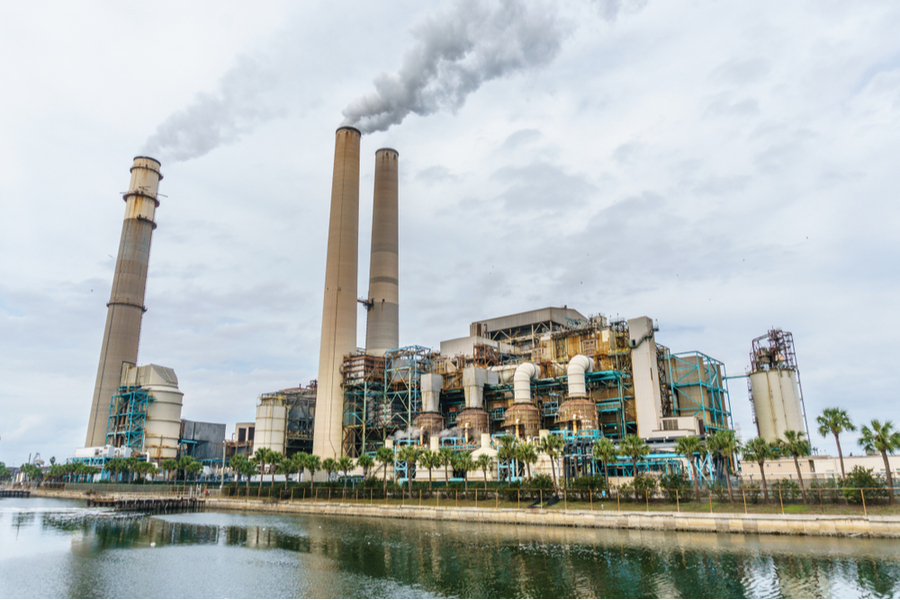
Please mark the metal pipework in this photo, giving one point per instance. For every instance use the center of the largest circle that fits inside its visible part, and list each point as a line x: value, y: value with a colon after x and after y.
x: 339, y: 308
x: 383, y: 320
x: 525, y: 372
x: 126, y: 302
x: 578, y: 366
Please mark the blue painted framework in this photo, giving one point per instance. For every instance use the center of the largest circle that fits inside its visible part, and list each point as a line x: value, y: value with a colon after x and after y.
x: 129, y: 403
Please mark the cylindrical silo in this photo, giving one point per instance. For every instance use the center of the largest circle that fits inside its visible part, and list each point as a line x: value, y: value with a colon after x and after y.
x: 162, y: 428
x: 339, y: 309
x: 775, y: 386
x: 383, y: 321
x: 776, y: 403
x: 126, y: 303
x: 271, y: 424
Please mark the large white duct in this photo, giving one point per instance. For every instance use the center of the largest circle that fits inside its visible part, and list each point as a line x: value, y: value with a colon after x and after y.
x: 431, y: 386
x: 504, y: 373
x: 578, y: 366
x: 474, y: 380
x: 522, y: 381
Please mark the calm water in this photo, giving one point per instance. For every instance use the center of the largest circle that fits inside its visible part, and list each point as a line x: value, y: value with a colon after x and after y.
x: 62, y: 549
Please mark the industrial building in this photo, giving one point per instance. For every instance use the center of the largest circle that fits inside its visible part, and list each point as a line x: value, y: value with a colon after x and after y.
x: 284, y: 421
x: 527, y: 374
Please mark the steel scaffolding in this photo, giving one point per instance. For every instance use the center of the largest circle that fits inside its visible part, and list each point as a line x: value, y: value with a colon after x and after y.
x: 127, y: 416
x: 699, y: 389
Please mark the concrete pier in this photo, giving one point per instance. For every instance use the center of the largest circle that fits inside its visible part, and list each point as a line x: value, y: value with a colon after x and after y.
x: 733, y: 523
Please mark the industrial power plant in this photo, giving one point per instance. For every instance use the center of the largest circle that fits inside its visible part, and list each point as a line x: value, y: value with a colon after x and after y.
x: 551, y: 370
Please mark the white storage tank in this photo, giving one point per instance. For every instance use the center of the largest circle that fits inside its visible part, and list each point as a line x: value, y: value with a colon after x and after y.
x: 162, y: 427
x: 271, y: 424
x: 775, y: 386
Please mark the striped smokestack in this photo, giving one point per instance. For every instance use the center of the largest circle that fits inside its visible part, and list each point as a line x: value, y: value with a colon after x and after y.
x: 126, y: 302
x: 339, y: 310
x: 383, y: 323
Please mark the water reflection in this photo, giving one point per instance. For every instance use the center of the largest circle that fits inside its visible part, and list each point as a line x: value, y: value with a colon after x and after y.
x: 234, y: 554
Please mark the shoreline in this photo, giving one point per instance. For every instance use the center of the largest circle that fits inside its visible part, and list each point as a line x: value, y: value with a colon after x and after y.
x: 850, y: 526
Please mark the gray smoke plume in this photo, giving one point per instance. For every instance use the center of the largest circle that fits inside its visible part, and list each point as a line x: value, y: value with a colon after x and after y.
x: 219, y: 118
x: 454, y: 53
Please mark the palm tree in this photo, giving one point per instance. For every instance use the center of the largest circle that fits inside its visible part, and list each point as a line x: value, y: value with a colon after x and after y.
x: 285, y: 467
x: 247, y: 469
x: 527, y: 453
x: 366, y: 462
x: 329, y: 465
x: 507, y: 453
x: 193, y: 467
x: 298, y: 463
x: 758, y: 450
x: 690, y: 447
x: 236, y: 463
x: 429, y: 460
x: 878, y: 437
x: 484, y: 462
x: 446, y: 455
x: 171, y: 466
x: 345, y: 465
x: 113, y: 466
x: 605, y: 452
x: 261, y: 457
x: 724, y: 444
x: 409, y: 454
x: 796, y: 446
x: 131, y: 467
x: 635, y: 448
x: 835, y: 421
x: 551, y: 445
x: 313, y: 463
x: 463, y: 462
x: 384, y: 456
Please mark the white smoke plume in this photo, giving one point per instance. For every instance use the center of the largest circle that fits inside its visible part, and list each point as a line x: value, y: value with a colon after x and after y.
x: 454, y: 54
x: 218, y: 118
x: 452, y: 432
x: 412, y: 433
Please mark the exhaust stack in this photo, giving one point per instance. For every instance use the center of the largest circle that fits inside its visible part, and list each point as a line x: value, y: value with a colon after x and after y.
x: 383, y: 321
x: 339, y: 309
x: 126, y: 302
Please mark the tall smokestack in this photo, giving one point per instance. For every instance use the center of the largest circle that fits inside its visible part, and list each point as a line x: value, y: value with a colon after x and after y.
x: 126, y: 302
x: 339, y: 310
x: 383, y: 324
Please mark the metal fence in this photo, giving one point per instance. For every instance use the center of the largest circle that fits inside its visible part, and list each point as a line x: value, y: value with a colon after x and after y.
x: 784, y: 501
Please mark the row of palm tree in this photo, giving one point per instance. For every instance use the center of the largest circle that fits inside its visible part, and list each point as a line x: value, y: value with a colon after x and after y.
x: 875, y: 438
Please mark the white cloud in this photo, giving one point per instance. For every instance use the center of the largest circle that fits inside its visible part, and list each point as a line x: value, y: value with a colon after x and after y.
x: 721, y: 167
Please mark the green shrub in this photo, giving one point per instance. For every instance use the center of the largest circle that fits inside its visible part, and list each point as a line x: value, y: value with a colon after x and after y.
x: 829, y: 489
x: 720, y: 492
x: 644, y: 486
x: 539, y: 481
x: 589, y: 482
x: 863, y: 479
x: 752, y: 491
x: 790, y: 489
x: 670, y: 482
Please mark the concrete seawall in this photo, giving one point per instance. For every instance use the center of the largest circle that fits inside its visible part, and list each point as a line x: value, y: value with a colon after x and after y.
x: 824, y: 525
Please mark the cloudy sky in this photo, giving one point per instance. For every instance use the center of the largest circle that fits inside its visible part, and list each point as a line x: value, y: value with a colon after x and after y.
x: 723, y: 167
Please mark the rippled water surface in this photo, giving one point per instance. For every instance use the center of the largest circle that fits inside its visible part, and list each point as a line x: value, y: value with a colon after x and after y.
x: 62, y: 549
